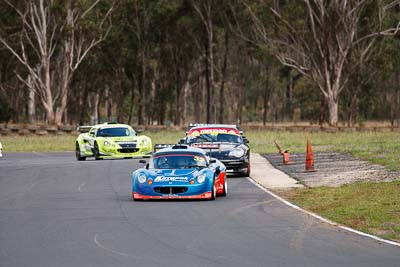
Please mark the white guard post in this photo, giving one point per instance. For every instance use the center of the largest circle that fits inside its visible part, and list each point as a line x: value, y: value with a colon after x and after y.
x: 1, y: 150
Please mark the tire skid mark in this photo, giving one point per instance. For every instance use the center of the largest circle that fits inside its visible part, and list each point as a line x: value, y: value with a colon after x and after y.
x: 80, y: 187
x: 298, y: 237
x: 238, y: 210
x: 108, y: 249
x: 24, y: 191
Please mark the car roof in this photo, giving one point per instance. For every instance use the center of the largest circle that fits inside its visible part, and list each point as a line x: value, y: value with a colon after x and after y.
x: 113, y: 125
x: 176, y: 150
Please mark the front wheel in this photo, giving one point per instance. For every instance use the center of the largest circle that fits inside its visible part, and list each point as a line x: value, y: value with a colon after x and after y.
x: 247, y: 172
x: 78, y: 153
x: 96, y: 152
x: 213, y: 192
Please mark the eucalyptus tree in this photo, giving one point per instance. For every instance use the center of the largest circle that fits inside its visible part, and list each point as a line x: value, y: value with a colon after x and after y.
x: 54, y: 31
x: 317, y: 38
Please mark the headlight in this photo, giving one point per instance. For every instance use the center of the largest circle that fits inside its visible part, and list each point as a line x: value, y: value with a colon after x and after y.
x: 106, y: 143
x: 142, y: 178
x: 201, y: 178
x: 144, y: 142
x: 237, y: 152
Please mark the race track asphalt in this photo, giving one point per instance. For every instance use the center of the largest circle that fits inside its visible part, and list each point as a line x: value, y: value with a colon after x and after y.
x: 55, y: 211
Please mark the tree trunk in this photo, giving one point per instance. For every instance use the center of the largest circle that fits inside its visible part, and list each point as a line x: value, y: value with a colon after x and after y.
x: 82, y: 113
x: 224, y: 78
x: 61, y: 108
x: 321, y: 111
x: 177, y: 90
x: 120, y: 93
x: 198, y: 95
x: 31, y: 102
x: 289, y: 97
x: 211, y: 64
x: 208, y: 85
x: 48, y: 100
x: 142, y: 86
x: 353, y: 111
x: 131, y: 104
x: 185, y: 90
x: 266, y: 98
x: 94, y: 108
x: 108, y: 103
x: 333, y: 109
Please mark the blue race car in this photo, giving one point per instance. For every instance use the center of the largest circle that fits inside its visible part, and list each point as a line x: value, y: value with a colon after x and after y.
x: 179, y: 172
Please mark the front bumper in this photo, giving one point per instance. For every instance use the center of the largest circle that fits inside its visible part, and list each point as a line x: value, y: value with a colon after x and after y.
x: 236, y: 165
x: 206, y: 195
x: 141, y: 153
x: 172, y: 191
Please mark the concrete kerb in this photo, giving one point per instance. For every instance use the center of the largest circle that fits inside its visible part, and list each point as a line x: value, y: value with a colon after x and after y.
x: 265, y: 176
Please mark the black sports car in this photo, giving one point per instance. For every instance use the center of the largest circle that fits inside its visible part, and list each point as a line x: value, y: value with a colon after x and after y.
x: 224, y: 142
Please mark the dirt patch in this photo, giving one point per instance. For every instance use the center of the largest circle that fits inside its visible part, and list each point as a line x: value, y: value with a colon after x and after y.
x: 332, y: 169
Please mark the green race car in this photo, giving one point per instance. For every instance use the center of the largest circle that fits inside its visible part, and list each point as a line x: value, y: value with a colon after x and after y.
x: 112, y: 140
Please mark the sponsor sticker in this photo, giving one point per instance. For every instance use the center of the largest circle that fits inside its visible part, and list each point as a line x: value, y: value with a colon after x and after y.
x: 213, y: 131
x: 163, y: 179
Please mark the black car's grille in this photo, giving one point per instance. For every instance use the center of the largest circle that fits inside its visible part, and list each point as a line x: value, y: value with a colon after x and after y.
x: 171, y: 190
x: 235, y: 165
x: 128, y: 150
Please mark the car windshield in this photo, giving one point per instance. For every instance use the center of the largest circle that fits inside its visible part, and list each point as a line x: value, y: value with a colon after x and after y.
x: 179, y: 161
x: 214, y: 138
x: 114, y: 132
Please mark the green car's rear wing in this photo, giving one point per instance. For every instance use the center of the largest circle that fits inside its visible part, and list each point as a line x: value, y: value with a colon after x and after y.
x: 84, y: 128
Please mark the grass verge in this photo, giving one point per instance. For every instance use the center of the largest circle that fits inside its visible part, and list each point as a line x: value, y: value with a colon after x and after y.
x: 369, y: 207
x: 34, y: 143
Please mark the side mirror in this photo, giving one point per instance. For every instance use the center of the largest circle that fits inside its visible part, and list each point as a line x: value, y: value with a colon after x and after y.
x: 213, y: 161
x: 147, y: 166
x: 143, y: 161
x: 245, y: 140
x: 181, y: 141
x: 217, y: 171
x: 138, y: 131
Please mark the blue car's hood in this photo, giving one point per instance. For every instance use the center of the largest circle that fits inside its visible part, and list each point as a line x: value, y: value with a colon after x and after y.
x: 174, y: 175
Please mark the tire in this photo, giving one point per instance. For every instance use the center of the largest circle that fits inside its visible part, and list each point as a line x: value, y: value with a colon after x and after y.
x: 78, y: 153
x: 96, y: 152
x: 225, y: 192
x: 213, y: 192
x: 247, y: 173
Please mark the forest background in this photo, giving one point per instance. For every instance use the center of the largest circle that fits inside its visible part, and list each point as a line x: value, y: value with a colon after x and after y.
x: 170, y: 62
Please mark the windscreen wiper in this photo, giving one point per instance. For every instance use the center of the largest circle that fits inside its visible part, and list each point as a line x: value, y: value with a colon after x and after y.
x: 208, y: 139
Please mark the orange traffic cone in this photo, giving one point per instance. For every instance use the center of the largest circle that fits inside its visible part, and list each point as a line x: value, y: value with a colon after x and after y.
x: 309, y: 157
x: 286, y: 156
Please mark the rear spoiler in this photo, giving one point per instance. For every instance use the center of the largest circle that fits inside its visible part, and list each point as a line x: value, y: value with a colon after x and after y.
x: 84, y: 128
x: 173, y: 146
x: 161, y: 146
